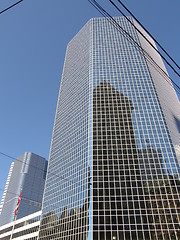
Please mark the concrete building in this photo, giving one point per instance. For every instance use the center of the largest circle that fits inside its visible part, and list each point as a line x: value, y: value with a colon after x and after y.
x: 22, y: 229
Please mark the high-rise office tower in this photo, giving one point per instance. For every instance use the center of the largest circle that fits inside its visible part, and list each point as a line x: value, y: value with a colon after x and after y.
x: 26, y: 176
x: 113, y: 171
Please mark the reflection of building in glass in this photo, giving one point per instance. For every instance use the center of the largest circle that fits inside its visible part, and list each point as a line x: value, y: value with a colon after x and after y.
x: 70, y: 223
x: 163, y: 208
x: 27, y: 175
x: 120, y: 172
x: 116, y: 170
x: 113, y: 171
x: 151, y: 163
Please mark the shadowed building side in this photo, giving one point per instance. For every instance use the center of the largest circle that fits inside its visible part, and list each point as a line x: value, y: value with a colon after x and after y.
x: 122, y: 200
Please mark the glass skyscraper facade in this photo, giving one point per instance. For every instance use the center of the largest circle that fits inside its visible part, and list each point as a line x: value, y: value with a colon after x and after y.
x: 113, y: 171
x: 27, y: 175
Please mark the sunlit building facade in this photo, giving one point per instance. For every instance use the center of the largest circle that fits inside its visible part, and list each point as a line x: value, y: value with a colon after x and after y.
x: 26, y: 175
x: 113, y: 171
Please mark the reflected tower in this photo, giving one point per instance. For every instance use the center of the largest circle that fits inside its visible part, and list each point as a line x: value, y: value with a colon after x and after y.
x: 113, y: 171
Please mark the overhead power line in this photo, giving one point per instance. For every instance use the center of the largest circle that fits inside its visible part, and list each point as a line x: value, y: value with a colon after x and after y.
x: 11, y: 6
x: 146, y: 31
x: 15, y: 194
x: 132, y: 41
x: 147, y: 39
x: 53, y: 174
x: 35, y: 167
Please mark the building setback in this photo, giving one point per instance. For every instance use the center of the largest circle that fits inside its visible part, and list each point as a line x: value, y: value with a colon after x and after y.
x: 113, y: 171
x: 27, y: 175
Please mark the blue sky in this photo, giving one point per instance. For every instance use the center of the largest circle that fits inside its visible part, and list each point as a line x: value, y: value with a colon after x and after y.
x: 33, y: 40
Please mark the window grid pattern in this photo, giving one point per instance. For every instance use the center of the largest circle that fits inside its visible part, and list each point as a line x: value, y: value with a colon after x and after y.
x: 65, y: 206
x: 135, y: 170
x: 112, y: 172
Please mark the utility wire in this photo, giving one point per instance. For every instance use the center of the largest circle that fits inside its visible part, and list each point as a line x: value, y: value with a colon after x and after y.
x: 62, y: 178
x: 15, y: 194
x: 11, y: 6
x: 131, y: 39
x: 148, y: 40
x: 177, y: 87
x: 46, y: 171
x: 107, y: 15
x: 147, y: 32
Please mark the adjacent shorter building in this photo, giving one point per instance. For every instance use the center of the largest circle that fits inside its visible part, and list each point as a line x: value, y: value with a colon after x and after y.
x: 27, y: 175
x: 24, y: 228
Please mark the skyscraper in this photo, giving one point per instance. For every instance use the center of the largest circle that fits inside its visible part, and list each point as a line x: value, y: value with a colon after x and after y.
x: 113, y: 171
x: 27, y: 175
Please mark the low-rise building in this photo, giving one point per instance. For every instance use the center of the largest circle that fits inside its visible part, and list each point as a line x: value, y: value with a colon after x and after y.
x: 22, y: 229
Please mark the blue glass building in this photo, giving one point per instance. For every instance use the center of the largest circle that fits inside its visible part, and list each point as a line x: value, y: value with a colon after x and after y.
x: 113, y: 171
x: 27, y: 175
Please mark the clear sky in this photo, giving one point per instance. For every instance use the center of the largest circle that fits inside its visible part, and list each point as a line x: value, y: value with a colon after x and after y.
x: 33, y: 40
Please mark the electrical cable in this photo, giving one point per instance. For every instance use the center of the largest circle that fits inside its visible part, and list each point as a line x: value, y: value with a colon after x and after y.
x: 130, y: 38
x: 16, y: 158
x: 11, y: 6
x: 116, y: 28
x: 15, y: 194
x: 35, y: 166
x: 148, y: 40
x: 62, y: 178
x: 46, y: 171
x: 148, y: 32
